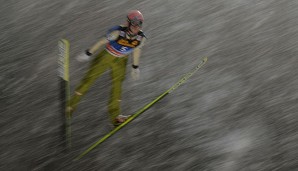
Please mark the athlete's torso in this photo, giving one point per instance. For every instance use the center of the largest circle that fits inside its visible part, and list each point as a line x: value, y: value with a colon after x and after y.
x: 122, y: 45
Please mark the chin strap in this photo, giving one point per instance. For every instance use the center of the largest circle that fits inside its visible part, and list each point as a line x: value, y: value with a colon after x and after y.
x: 129, y: 32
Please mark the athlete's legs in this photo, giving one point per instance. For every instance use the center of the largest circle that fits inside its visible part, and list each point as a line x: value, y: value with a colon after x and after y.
x: 118, y: 76
x: 98, y: 66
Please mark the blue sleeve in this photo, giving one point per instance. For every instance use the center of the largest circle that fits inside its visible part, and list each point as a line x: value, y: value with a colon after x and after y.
x: 109, y: 36
x: 113, y: 29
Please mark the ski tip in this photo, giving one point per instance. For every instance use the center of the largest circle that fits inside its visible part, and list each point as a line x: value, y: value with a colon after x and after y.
x: 205, y: 59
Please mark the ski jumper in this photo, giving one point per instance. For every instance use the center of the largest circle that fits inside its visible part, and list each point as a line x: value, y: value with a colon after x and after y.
x: 113, y: 57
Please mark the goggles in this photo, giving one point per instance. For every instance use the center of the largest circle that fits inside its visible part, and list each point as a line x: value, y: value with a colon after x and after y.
x: 136, y: 23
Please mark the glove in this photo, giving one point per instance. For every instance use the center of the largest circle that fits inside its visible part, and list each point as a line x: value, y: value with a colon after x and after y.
x: 135, y: 72
x: 84, y: 57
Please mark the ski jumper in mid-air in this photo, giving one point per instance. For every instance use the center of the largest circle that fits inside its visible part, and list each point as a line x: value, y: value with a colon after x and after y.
x: 119, y: 42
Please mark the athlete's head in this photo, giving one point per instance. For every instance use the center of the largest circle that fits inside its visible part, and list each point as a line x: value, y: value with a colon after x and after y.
x: 135, y: 21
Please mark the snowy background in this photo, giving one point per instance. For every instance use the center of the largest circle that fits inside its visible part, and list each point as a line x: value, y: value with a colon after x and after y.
x: 240, y: 112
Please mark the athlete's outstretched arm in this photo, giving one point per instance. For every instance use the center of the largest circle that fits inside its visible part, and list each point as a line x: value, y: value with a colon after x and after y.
x: 99, y: 44
x: 104, y: 40
x: 137, y: 53
x: 136, y: 56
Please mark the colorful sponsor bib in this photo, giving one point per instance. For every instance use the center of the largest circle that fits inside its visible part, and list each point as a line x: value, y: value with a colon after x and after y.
x: 121, y: 46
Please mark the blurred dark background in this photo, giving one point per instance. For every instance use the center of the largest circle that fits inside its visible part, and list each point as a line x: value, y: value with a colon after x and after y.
x: 238, y: 113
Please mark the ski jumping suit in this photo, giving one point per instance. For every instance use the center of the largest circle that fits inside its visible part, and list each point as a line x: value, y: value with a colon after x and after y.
x: 113, y: 57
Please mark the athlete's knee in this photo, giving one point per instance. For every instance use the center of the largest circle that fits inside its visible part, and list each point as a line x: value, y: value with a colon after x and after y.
x: 78, y: 93
x: 69, y: 109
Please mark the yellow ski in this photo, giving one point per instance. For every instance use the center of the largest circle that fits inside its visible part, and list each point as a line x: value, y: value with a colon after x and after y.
x: 142, y: 110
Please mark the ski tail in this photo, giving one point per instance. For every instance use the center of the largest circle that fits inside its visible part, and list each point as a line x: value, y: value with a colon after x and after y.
x: 63, y: 74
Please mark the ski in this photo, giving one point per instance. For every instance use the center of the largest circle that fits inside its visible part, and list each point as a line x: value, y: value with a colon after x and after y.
x: 142, y: 110
x: 63, y: 74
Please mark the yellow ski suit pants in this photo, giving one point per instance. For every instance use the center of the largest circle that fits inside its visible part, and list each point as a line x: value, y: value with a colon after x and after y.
x: 101, y: 63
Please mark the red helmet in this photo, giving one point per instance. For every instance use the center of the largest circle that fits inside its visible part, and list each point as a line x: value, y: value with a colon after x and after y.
x: 135, y: 18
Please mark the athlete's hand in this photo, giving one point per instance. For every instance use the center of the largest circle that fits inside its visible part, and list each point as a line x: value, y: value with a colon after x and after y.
x: 84, y: 57
x: 135, y: 73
